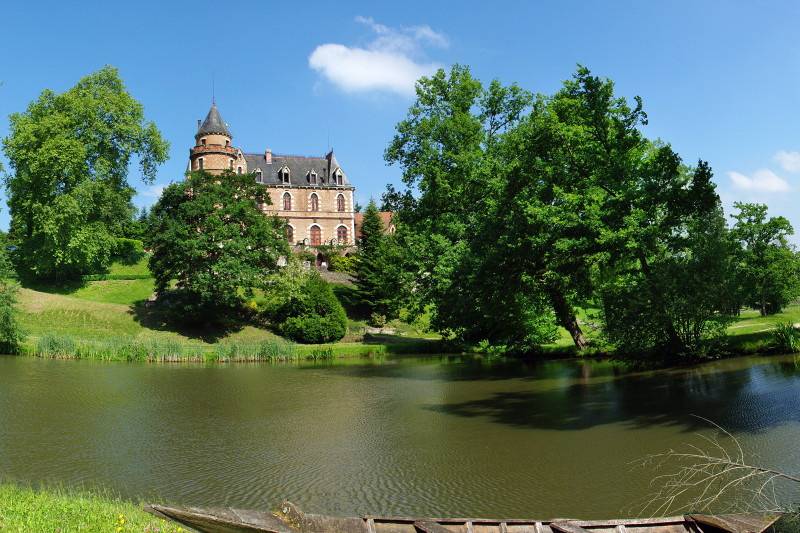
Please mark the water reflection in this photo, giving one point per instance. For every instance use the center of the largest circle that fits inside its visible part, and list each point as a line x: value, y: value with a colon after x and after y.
x: 446, y: 435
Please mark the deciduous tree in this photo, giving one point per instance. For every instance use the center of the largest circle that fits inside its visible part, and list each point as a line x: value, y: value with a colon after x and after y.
x: 68, y: 191
x: 212, y: 244
x: 768, y: 268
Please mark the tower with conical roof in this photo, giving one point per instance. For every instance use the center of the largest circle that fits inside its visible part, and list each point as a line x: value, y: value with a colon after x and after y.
x: 213, y: 151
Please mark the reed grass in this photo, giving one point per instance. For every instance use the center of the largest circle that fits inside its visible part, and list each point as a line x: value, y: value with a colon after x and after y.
x: 59, y: 346
x: 786, y: 337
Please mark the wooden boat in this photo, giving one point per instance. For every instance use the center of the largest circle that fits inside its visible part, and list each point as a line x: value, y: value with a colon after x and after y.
x: 290, y: 519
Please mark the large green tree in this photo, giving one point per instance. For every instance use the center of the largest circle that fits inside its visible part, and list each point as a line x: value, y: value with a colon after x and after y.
x: 768, y: 268
x: 211, y: 243
x: 642, y: 210
x: 445, y: 147
x: 68, y: 189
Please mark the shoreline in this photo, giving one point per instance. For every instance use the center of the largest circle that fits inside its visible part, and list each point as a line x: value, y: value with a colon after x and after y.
x: 270, y: 352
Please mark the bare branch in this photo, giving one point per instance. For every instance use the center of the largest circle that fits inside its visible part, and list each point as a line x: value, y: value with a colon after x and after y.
x: 712, y: 476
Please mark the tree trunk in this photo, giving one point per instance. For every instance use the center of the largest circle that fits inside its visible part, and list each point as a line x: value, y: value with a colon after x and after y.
x: 566, y: 317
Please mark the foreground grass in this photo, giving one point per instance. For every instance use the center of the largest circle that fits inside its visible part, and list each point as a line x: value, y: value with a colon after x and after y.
x: 26, y: 510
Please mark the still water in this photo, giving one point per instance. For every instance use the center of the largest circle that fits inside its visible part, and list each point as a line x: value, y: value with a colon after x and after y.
x: 407, y: 436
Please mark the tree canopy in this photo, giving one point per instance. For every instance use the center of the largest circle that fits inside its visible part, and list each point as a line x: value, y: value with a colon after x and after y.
x: 517, y: 210
x: 68, y: 189
x: 211, y: 243
x: 767, y: 268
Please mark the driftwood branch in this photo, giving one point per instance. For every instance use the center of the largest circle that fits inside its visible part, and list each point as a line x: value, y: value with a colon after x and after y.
x: 713, y: 476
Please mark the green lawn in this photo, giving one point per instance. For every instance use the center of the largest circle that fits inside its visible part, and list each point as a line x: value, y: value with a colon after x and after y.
x: 113, y: 313
x: 749, y: 333
x: 116, y: 291
x: 136, y: 269
x: 24, y: 510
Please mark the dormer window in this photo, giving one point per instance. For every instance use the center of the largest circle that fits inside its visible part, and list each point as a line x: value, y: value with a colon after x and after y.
x: 337, y: 177
x: 285, y: 175
x: 259, y: 176
x: 312, y: 178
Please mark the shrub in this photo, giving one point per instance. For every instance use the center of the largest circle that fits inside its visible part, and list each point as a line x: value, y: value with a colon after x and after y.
x: 786, y: 337
x: 341, y: 263
x: 314, y: 329
x: 305, y: 255
x: 128, y: 251
x: 377, y: 320
x: 313, y: 315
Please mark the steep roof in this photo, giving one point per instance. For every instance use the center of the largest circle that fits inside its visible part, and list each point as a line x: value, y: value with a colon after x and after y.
x: 300, y: 168
x: 213, y: 124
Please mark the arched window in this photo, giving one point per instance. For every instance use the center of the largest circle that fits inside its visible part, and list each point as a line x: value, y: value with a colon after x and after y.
x: 314, y: 202
x: 285, y: 175
x: 239, y: 170
x: 290, y: 234
x: 340, y: 202
x: 316, y: 236
x: 287, y: 201
x: 341, y: 234
x: 200, y: 163
x: 312, y: 177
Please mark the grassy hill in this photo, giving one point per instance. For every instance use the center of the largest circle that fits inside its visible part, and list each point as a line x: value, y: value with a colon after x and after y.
x: 106, y: 314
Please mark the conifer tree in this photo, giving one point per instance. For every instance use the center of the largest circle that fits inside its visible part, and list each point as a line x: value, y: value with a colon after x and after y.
x: 378, y: 259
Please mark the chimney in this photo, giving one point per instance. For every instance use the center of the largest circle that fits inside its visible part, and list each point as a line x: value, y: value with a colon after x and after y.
x: 268, y: 156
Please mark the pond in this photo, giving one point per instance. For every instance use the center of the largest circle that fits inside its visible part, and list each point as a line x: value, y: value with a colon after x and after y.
x: 435, y: 436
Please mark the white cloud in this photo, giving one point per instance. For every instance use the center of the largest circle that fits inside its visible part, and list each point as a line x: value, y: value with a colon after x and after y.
x: 789, y: 161
x: 390, y: 62
x: 763, y: 180
x: 153, y: 191
x: 149, y: 195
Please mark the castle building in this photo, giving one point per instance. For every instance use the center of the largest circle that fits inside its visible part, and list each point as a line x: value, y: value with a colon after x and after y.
x: 313, y: 194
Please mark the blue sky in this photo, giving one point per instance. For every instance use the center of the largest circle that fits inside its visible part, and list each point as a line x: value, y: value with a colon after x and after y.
x: 719, y: 79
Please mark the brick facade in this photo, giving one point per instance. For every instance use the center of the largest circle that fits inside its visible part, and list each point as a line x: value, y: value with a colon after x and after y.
x: 320, y: 198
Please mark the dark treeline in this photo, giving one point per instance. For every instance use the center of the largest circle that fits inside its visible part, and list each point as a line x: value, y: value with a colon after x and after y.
x: 517, y: 209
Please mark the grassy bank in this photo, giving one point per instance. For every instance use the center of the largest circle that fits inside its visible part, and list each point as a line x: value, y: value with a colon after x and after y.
x: 24, y: 510
x: 108, y: 319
